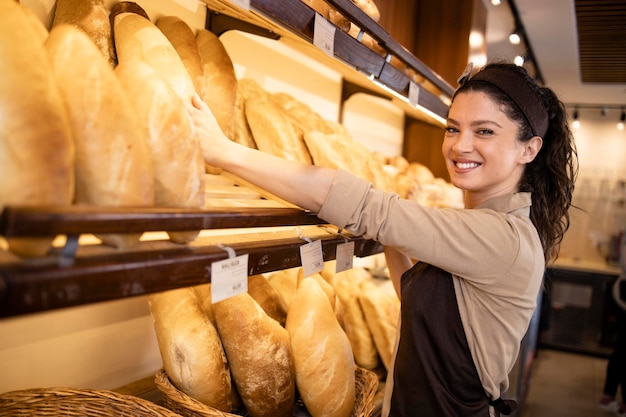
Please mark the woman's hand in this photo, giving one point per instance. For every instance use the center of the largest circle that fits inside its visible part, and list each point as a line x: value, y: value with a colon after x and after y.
x: 213, y: 141
x: 303, y: 185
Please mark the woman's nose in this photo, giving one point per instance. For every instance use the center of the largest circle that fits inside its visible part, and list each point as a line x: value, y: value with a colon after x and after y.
x: 463, y: 143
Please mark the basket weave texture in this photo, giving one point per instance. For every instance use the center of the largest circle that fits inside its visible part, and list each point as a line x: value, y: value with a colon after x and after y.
x: 69, y: 402
x: 179, y: 402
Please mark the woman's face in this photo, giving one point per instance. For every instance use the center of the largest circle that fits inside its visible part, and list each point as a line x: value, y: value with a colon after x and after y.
x: 481, y: 150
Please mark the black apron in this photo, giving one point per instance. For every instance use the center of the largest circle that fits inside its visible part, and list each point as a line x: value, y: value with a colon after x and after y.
x: 434, y: 374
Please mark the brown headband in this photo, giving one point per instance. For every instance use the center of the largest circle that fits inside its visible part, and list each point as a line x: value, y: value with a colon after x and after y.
x: 518, y: 89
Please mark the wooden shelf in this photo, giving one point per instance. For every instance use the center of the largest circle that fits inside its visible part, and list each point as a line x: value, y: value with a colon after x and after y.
x: 94, y: 273
x: 292, y: 22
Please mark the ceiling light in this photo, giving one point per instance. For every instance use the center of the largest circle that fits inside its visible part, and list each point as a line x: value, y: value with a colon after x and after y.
x: 496, y: 2
x: 515, y: 38
x: 576, y: 123
x: 622, y: 119
x: 519, y: 60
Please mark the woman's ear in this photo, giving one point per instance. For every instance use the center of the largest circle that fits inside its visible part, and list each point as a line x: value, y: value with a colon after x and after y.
x: 531, y: 149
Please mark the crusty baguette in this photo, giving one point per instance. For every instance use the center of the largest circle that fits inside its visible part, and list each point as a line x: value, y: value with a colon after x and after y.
x: 182, y: 38
x: 347, y: 286
x: 285, y: 282
x: 113, y: 165
x: 219, y: 82
x: 322, y: 353
x: 138, y: 38
x: 191, y: 350
x: 272, y: 131
x: 172, y: 140
x: 381, y: 308
x: 92, y: 17
x: 36, y: 148
x: 263, y: 293
x: 259, y: 354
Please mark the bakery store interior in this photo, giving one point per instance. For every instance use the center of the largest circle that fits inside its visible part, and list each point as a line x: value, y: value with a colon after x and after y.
x: 107, y: 300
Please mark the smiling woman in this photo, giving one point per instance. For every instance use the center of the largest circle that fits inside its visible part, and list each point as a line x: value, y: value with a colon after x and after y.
x: 466, y: 305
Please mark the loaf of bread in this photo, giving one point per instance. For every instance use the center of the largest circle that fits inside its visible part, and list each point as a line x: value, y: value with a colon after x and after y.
x: 259, y: 353
x: 173, y: 143
x: 36, y: 148
x: 272, y: 131
x: 113, y: 166
x: 182, y: 38
x: 191, y: 350
x: 218, y: 80
x: 285, y: 282
x: 381, y: 308
x: 347, y: 285
x: 322, y: 353
x: 335, y: 302
x: 263, y: 293
x: 136, y: 37
x: 241, y: 128
x: 92, y: 17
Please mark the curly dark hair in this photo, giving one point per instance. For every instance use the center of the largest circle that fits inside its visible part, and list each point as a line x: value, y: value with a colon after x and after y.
x: 550, y: 177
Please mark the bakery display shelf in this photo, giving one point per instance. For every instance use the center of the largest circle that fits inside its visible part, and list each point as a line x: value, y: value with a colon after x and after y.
x: 293, y: 22
x: 80, y: 270
x: 23, y: 221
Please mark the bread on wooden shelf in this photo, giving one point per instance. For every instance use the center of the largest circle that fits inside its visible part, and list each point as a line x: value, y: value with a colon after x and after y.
x: 36, y: 147
x: 113, y: 166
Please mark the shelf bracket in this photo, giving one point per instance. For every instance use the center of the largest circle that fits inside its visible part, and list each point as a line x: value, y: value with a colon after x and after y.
x: 348, y: 89
x: 218, y: 23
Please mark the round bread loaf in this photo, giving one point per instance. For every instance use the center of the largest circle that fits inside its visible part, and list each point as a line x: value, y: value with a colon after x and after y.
x: 113, y: 165
x: 191, y: 350
x: 172, y: 140
x: 259, y: 354
x: 322, y: 353
x: 36, y: 148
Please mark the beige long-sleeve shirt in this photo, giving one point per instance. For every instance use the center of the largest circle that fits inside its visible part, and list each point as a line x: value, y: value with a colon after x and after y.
x: 493, y: 253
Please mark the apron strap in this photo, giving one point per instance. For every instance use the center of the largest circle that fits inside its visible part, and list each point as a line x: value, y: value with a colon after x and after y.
x: 503, y: 407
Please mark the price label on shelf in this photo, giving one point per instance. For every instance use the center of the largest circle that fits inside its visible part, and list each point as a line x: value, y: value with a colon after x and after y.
x: 244, y: 4
x: 324, y: 35
x: 312, y: 258
x: 345, y: 254
x: 414, y: 94
x: 229, y: 278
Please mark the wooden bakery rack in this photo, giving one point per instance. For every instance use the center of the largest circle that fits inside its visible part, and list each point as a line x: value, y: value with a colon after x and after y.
x: 75, y: 274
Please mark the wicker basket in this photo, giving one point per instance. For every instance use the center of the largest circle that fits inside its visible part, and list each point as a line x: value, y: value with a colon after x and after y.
x: 181, y: 403
x: 68, y: 402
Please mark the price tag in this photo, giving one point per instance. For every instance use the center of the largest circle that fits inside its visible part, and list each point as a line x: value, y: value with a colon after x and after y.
x: 345, y: 254
x: 244, y: 4
x: 312, y: 258
x: 229, y: 278
x: 324, y: 35
x: 414, y: 94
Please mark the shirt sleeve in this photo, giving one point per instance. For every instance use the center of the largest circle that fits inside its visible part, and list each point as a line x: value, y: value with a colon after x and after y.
x: 474, y: 244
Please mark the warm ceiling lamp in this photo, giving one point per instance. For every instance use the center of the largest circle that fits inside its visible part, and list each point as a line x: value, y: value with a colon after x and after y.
x: 496, y: 2
x: 622, y: 119
x: 515, y: 38
x: 576, y: 123
x: 519, y: 60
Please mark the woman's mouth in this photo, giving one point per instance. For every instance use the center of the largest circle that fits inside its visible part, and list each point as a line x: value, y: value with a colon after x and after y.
x: 466, y: 165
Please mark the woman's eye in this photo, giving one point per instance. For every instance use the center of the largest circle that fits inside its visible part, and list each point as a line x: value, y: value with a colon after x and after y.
x: 484, y: 132
x: 450, y: 129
